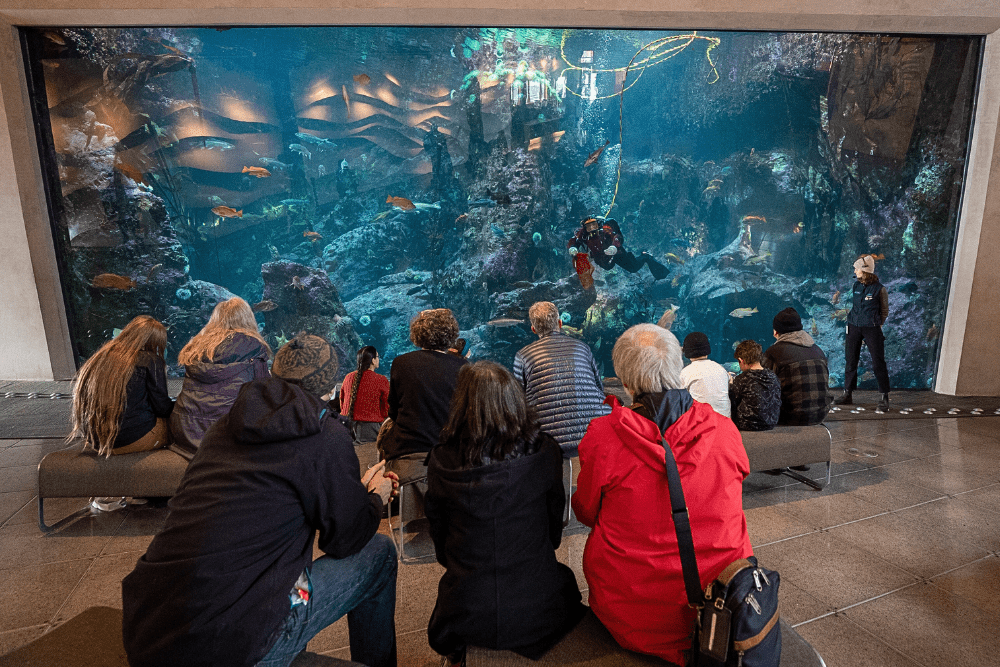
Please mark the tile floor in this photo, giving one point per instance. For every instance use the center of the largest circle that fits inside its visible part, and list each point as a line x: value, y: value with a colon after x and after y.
x: 896, y: 562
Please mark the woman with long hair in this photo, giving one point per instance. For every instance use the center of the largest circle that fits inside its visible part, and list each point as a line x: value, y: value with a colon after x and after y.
x: 495, y: 502
x: 120, y: 401
x: 218, y: 360
x: 364, y: 396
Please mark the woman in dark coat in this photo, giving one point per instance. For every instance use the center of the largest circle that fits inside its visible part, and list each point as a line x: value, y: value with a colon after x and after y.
x: 495, y: 501
x: 224, y: 355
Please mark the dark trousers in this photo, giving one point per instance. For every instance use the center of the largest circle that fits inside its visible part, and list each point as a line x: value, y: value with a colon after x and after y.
x: 875, y: 340
x: 632, y: 264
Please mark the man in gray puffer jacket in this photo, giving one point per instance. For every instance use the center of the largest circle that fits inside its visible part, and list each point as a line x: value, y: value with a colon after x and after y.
x: 560, y: 379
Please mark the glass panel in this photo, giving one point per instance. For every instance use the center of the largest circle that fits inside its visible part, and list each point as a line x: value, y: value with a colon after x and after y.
x: 343, y: 179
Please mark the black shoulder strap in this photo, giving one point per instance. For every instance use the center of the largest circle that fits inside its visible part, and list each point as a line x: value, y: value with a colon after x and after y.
x: 682, y: 524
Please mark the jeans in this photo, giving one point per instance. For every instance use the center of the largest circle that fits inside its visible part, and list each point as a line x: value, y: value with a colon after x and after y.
x: 875, y: 340
x: 364, y: 587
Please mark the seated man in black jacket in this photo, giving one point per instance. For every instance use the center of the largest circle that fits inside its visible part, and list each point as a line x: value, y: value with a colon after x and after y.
x: 231, y: 580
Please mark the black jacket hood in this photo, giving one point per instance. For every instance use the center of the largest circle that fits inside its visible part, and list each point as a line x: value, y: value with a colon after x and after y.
x: 272, y: 410
x: 664, y: 408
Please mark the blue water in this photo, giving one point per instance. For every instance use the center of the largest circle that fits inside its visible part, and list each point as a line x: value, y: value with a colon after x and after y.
x: 389, y: 170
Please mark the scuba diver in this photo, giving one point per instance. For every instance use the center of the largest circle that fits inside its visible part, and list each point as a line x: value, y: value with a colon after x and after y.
x: 603, y: 240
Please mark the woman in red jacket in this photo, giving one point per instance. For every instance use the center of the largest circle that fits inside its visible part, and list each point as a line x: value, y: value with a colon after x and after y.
x: 631, y: 560
x: 366, y: 401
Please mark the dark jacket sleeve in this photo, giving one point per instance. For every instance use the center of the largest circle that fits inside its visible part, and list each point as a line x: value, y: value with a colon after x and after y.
x: 555, y: 497
x: 883, y: 298
x: 156, y: 388
x: 343, y: 511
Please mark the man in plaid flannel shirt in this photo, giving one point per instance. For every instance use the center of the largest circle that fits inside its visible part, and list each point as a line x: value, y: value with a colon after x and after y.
x: 802, y: 370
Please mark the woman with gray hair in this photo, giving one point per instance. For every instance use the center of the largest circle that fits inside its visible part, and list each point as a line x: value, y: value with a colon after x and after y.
x: 631, y: 561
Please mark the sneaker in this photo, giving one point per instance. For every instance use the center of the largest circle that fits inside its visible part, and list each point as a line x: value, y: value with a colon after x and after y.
x: 844, y: 399
x: 107, y: 504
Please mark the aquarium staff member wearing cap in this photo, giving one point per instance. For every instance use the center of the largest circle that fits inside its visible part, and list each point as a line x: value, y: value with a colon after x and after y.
x: 231, y: 580
x: 869, y: 311
x: 603, y: 240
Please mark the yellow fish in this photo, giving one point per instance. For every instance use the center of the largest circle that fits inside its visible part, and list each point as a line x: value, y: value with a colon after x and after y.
x: 757, y: 259
x: 673, y: 258
x: 676, y: 281
x: 815, y: 329
x: 740, y: 313
x: 840, y: 314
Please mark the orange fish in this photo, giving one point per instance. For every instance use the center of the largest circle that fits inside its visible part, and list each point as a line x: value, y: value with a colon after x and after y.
x: 757, y: 218
x: 836, y: 298
x: 227, y: 212
x: 113, y: 281
x: 131, y: 171
x: 462, y: 217
x: 596, y: 155
x: 363, y: 79
x: 297, y: 283
x: 312, y: 236
x: 400, y: 202
x: 259, y: 172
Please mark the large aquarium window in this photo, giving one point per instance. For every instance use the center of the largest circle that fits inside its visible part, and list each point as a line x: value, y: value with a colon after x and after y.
x: 342, y: 179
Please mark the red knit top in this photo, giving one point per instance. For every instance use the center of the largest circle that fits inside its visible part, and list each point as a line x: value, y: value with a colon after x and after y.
x: 373, y: 397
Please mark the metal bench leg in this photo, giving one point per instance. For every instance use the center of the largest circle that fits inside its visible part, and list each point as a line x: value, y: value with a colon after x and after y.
x: 805, y: 480
x: 569, y: 495
x: 83, y: 511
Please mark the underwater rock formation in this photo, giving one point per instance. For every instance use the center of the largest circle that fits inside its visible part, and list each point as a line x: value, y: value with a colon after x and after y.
x: 304, y: 299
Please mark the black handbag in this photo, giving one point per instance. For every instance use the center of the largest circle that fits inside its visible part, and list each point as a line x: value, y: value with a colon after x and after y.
x: 737, y: 621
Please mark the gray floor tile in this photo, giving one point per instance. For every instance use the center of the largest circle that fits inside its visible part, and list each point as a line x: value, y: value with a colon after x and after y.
x: 85, y: 538
x: 30, y: 454
x: 797, y: 606
x: 830, y: 509
x: 842, y: 643
x: 416, y: 593
x: 99, y: 586
x: 987, y: 497
x: 960, y: 519
x: 140, y: 526
x: 930, y: 474
x: 12, y: 502
x: 889, y: 493
x: 32, y: 594
x: 909, y: 544
x: 842, y: 431
x: 976, y: 582
x: 15, y: 639
x: 55, y: 509
x: 331, y: 638
x: 931, y: 624
x: 833, y: 571
x: 19, y: 478
x: 770, y: 524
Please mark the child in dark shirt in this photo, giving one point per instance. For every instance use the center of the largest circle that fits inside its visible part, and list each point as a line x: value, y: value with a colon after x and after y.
x: 755, y: 394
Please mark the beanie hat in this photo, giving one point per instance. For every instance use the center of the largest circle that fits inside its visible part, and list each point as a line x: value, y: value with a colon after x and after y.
x: 308, y: 361
x: 866, y: 264
x: 696, y: 345
x: 787, y: 321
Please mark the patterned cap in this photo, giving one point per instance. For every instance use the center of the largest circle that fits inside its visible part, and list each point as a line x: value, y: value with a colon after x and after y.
x: 308, y: 361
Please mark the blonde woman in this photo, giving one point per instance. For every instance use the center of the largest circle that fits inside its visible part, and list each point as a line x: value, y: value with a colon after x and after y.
x: 120, y: 401
x: 227, y: 353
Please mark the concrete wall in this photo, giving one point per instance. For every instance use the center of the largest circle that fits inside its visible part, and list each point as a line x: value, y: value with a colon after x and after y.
x: 34, y: 339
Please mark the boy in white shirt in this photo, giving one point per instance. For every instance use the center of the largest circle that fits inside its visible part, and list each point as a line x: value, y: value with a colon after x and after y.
x: 707, y: 381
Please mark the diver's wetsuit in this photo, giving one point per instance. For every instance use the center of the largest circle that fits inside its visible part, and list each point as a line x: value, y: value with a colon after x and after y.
x: 608, y: 235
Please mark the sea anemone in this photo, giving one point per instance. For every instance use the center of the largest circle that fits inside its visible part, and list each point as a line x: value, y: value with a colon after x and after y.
x: 183, y: 294
x: 565, y: 317
x: 536, y: 238
x: 364, y: 320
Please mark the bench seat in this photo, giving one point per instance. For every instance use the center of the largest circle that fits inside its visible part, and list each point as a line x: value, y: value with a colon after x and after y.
x: 81, y: 473
x: 786, y: 446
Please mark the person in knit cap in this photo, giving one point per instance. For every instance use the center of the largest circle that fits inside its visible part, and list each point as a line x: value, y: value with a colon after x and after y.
x: 231, y: 580
x: 869, y: 310
x: 707, y: 381
x: 801, y: 368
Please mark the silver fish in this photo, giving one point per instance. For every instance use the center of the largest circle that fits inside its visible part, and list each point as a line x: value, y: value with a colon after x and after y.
x: 301, y: 150
x: 272, y: 163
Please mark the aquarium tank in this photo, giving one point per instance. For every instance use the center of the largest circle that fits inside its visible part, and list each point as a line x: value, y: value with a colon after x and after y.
x: 342, y: 179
